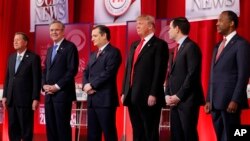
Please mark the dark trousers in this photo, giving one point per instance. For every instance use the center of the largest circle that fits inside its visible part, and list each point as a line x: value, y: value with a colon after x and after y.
x: 102, y: 120
x: 145, y: 122
x: 224, y: 123
x: 183, y: 122
x: 21, y: 122
x: 58, y: 115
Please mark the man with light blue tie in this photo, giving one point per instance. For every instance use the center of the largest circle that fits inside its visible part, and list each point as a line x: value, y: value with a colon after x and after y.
x: 58, y: 82
x: 22, y: 89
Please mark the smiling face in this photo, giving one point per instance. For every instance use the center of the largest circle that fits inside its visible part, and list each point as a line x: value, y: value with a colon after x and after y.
x: 56, y: 32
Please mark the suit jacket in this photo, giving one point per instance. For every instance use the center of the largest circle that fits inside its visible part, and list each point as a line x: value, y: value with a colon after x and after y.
x: 101, y: 73
x: 149, y: 73
x: 230, y: 74
x: 185, y: 74
x: 62, y: 71
x: 23, y: 86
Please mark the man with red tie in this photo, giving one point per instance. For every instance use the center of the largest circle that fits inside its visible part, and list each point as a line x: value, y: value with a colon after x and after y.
x: 229, y: 78
x: 184, y: 92
x: 143, y: 91
x: 99, y: 82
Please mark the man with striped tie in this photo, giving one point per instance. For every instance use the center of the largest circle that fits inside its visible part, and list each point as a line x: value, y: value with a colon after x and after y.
x: 229, y: 77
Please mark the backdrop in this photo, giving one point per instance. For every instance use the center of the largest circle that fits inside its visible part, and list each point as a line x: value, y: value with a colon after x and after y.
x: 14, y: 16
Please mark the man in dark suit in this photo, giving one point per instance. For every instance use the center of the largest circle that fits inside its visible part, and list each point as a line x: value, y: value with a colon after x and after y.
x: 99, y: 83
x: 229, y: 78
x: 184, y: 92
x: 58, y: 82
x: 22, y: 89
x: 143, y: 90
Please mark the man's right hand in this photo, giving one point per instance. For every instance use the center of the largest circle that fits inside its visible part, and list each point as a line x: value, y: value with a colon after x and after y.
x: 207, y: 107
x: 4, y: 102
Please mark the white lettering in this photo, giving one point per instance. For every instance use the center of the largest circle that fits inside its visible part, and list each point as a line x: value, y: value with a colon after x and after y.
x: 237, y: 132
x: 209, y: 4
x: 240, y: 132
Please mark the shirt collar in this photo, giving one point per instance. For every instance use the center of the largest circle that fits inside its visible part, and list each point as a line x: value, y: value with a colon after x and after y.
x: 102, y: 48
x: 230, y: 36
x: 21, y: 54
x: 182, y: 40
x: 147, y: 38
x: 58, y: 43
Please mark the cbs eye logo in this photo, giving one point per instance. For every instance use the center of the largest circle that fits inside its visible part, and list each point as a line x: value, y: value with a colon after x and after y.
x: 165, y: 36
x: 78, y: 37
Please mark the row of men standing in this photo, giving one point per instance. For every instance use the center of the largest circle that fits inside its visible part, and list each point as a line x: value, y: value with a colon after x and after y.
x: 24, y: 80
x: 143, y: 91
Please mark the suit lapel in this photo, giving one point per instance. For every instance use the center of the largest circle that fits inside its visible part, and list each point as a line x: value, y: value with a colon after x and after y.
x: 179, y: 52
x: 103, y: 53
x: 49, y: 56
x: 13, y: 63
x: 144, y: 49
x: 93, y: 58
x: 227, y: 48
x: 60, y: 50
x: 24, y: 59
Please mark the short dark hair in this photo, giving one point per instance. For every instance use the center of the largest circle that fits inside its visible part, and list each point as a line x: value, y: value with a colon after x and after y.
x: 183, y: 24
x: 103, y: 29
x: 232, y: 17
x: 24, y: 36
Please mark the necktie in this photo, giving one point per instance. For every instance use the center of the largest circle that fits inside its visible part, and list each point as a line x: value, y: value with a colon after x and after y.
x: 53, y: 53
x: 175, y: 52
x: 136, y: 53
x: 98, y: 53
x: 18, y: 61
x: 222, y: 46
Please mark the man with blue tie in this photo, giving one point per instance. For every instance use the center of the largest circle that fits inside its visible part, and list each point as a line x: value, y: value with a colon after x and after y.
x: 58, y: 82
x: 22, y: 89
x: 99, y: 81
x: 228, y: 78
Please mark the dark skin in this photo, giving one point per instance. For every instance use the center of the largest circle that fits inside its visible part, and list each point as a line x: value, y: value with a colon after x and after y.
x: 224, y: 27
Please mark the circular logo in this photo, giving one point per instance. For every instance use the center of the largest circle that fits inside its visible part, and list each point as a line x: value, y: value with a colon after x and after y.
x: 78, y: 37
x: 164, y: 35
x: 117, y: 7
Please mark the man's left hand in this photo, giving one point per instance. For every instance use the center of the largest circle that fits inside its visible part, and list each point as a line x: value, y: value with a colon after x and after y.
x: 151, y: 100
x: 232, y: 107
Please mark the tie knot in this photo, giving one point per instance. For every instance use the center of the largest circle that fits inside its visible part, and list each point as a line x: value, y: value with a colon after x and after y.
x: 177, y: 47
x: 98, y: 53
x: 142, y: 40
x: 55, y: 46
x: 19, y: 57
